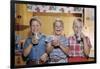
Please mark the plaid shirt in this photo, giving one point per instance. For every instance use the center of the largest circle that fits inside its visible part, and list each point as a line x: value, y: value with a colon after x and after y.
x: 76, y: 49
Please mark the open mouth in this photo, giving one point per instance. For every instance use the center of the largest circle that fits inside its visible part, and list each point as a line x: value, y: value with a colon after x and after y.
x: 58, y: 30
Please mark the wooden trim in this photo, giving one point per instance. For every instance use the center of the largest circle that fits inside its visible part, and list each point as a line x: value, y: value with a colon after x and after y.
x: 57, y: 14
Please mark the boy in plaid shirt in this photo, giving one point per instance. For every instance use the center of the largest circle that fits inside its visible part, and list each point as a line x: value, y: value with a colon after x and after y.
x: 79, y: 43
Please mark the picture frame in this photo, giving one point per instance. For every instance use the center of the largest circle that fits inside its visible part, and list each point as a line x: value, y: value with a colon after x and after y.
x: 22, y: 11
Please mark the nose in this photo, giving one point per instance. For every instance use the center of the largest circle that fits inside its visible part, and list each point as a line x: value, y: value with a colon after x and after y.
x: 58, y: 28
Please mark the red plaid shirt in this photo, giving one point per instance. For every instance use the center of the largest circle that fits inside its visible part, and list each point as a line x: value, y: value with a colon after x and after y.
x: 76, y: 49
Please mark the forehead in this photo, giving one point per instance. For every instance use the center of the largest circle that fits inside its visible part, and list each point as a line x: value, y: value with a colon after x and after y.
x: 77, y: 23
x: 58, y: 23
x: 35, y: 22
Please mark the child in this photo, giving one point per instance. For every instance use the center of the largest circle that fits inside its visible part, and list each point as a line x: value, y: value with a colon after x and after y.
x: 57, y: 44
x: 35, y: 47
x: 79, y: 43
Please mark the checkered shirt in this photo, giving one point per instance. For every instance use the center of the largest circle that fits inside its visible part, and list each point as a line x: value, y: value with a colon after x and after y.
x: 76, y: 49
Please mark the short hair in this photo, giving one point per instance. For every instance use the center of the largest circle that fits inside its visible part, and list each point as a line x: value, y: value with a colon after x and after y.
x: 61, y: 22
x: 34, y: 19
x: 79, y: 20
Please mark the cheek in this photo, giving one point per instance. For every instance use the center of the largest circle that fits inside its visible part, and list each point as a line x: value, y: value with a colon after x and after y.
x: 61, y: 28
x: 75, y: 29
x: 38, y: 27
x: 32, y: 28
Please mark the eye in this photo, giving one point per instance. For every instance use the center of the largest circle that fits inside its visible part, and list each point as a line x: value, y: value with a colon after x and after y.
x: 32, y: 25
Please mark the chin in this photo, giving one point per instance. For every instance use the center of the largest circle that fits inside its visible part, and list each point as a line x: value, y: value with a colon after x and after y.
x: 58, y: 33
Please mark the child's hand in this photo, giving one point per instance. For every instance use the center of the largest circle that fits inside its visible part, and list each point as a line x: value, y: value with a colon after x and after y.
x: 44, y: 57
x: 55, y: 42
x: 82, y: 35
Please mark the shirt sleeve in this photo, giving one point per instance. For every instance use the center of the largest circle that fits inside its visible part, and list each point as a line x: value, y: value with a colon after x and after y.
x: 48, y: 39
x: 65, y: 41
x: 27, y: 42
x: 88, y: 41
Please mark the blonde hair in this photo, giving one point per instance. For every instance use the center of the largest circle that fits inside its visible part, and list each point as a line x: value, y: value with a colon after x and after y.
x: 58, y: 20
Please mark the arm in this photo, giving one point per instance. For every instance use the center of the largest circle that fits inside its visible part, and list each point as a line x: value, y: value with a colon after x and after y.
x: 27, y: 47
x: 44, y: 57
x: 64, y: 49
x: 87, y: 46
x: 27, y: 50
x: 49, y: 48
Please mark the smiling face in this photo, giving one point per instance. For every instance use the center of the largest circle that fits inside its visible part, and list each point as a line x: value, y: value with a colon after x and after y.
x: 58, y: 27
x: 35, y: 26
x: 77, y: 26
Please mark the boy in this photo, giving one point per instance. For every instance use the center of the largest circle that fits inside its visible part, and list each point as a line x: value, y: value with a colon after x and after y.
x: 57, y: 44
x: 35, y: 47
x: 79, y: 43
